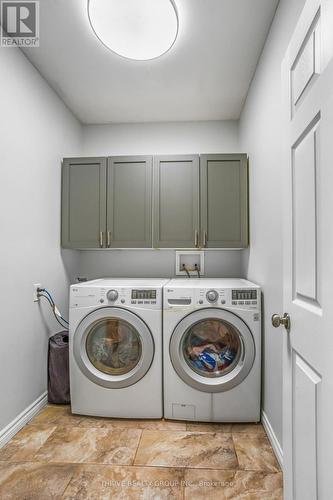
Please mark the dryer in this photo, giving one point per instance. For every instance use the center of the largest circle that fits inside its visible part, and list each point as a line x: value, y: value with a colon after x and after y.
x: 212, y: 350
x: 115, y: 346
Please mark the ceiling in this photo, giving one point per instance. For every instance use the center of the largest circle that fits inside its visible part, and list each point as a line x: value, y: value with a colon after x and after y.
x: 205, y: 76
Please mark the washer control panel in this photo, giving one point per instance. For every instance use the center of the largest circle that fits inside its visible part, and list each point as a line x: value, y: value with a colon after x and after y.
x: 148, y: 298
x: 247, y: 298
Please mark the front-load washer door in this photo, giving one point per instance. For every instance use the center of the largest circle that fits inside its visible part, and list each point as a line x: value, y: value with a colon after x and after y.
x: 212, y: 350
x: 113, y: 347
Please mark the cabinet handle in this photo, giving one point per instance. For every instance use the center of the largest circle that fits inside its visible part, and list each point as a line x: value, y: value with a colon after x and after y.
x: 109, y: 239
x: 205, y: 238
x: 196, y: 238
x: 101, y: 239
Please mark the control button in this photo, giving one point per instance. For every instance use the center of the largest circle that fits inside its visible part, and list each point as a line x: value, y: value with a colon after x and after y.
x: 254, y: 302
x: 200, y: 301
x: 112, y: 295
x: 122, y: 301
x: 153, y: 301
x: 247, y: 302
x: 212, y: 296
x: 234, y: 303
x: 241, y: 302
x: 146, y: 302
x: 101, y: 301
x: 222, y: 301
x: 140, y: 301
x: 133, y: 301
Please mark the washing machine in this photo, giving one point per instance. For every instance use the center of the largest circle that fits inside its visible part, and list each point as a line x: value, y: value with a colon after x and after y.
x: 115, y: 346
x: 212, y: 350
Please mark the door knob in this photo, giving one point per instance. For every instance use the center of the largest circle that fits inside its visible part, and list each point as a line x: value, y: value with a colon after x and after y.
x: 284, y: 321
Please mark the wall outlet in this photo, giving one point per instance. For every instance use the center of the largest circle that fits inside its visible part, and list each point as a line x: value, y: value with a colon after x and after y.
x: 35, y: 291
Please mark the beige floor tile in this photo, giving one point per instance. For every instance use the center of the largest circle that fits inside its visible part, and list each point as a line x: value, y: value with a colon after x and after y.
x: 186, y: 449
x: 208, y: 427
x: 27, y: 481
x: 25, y: 443
x: 125, y: 483
x: 232, y: 485
x: 113, y: 423
x: 56, y: 415
x: 250, y: 429
x: 103, y: 446
x: 255, y: 453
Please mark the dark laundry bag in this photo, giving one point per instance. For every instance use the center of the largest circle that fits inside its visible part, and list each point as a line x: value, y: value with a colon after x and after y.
x: 58, y: 369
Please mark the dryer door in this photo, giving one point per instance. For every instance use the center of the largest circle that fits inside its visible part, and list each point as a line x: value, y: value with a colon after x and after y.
x: 113, y: 347
x: 212, y: 350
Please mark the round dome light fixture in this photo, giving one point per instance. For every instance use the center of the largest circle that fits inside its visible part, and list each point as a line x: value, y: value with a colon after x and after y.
x: 135, y: 29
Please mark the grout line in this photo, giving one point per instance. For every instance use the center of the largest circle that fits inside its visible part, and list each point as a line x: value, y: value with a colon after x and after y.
x: 69, y: 482
x: 145, y: 466
x: 183, y: 484
x: 137, y: 448
x: 233, y: 442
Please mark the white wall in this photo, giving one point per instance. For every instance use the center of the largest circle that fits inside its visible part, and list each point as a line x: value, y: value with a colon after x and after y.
x: 158, y: 138
x: 161, y: 138
x: 154, y: 263
x: 36, y: 131
x: 260, y: 135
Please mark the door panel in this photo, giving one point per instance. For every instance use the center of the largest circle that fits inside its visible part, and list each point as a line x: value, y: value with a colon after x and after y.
x: 307, y: 62
x: 306, y: 383
x: 307, y: 76
x: 129, y: 202
x: 83, y: 202
x: 176, y: 201
x: 224, y: 201
x: 305, y: 157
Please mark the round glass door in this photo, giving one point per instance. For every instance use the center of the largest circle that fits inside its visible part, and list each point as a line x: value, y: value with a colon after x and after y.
x: 113, y: 347
x: 212, y: 350
x: 212, y: 347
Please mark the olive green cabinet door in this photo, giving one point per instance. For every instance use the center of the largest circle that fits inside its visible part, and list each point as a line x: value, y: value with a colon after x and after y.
x: 224, y: 200
x: 176, y: 201
x: 83, y: 202
x: 129, y: 198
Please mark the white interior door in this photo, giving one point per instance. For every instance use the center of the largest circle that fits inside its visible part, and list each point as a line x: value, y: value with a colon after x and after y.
x: 307, y: 75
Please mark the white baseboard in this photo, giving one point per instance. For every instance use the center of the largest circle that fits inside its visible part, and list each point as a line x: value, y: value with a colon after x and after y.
x: 23, y: 418
x: 272, y: 437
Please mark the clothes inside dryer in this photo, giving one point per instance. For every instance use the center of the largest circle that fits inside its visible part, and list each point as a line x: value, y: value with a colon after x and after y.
x: 211, y: 347
x: 113, y: 346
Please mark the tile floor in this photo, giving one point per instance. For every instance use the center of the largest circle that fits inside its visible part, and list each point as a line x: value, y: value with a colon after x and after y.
x: 60, y: 455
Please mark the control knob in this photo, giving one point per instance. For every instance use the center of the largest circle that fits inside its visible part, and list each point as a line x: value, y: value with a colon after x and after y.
x: 212, y: 296
x: 112, y: 295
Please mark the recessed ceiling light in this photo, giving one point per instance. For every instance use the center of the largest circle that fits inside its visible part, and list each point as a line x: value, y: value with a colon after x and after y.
x: 136, y: 29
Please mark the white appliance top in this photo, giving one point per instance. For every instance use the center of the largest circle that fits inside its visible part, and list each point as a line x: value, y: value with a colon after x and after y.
x: 211, y: 283
x: 124, y: 282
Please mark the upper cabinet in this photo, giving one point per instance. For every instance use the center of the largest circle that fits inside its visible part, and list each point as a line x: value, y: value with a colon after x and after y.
x: 224, y: 201
x: 83, y: 202
x: 129, y: 190
x: 176, y: 201
x: 106, y: 203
